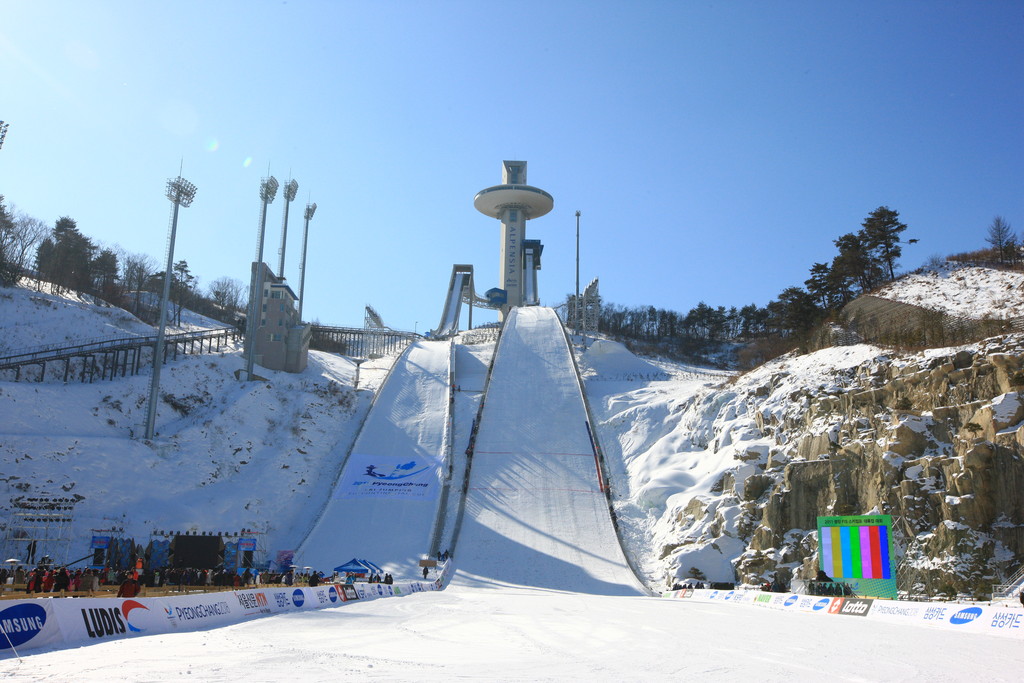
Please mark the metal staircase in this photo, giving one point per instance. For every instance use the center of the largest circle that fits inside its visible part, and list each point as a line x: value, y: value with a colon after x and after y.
x: 1012, y: 587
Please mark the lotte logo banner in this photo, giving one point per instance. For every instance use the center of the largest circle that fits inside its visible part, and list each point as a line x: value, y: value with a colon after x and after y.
x: 389, y: 476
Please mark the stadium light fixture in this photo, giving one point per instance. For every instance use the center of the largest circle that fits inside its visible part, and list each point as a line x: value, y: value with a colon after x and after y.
x: 181, y: 193
x: 290, y: 188
x: 268, y: 190
x: 576, y: 302
x: 310, y: 210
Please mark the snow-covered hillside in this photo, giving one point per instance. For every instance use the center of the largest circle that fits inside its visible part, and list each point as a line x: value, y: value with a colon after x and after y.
x: 702, y: 458
x: 965, y: 291
x: 228, y: 455
x: 31, y: 316
x: 694, y: 454
x: 710, y: 470
x: 678, y: 438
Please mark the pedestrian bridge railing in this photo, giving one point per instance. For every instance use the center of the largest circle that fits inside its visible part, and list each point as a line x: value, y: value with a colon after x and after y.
x: 111, y: 357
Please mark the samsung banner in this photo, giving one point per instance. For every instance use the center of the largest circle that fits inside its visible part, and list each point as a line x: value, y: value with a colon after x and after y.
x: 390, y: 476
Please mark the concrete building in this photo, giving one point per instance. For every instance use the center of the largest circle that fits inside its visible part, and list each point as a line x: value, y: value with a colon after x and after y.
x: 513, y: 203
x: 282, y: 341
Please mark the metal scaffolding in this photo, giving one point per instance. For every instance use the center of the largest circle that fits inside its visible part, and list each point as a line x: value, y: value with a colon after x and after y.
x: 40, y: 526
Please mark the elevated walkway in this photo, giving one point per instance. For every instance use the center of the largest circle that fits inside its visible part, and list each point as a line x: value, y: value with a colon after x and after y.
x: 109, y: 358
x: 359, y: 342
x: 535, y: 512
x: 384, y: 503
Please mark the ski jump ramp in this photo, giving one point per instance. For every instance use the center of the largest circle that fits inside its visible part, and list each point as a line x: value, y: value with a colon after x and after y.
x: 384, y: 504
x: 460, y: 291
x: 535, y: 514
x: 460, y: 283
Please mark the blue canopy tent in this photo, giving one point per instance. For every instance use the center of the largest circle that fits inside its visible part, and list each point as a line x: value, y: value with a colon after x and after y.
x: 358, y: 566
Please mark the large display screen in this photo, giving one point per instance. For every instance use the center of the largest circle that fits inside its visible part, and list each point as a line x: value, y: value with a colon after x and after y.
x: 858, y: 551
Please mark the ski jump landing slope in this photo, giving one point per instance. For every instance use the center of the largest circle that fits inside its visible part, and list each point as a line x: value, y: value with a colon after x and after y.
x: 535, y: 514
x: 405, y: 424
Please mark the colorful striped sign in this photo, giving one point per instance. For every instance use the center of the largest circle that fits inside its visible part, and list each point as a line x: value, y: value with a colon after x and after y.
x: 858, y: 551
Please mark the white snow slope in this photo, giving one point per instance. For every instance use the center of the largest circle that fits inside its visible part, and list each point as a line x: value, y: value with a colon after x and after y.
x: 270, y: 451
x: 31, y: 316
x: 535, y: 512
x: 228, y: 455
x: 529, y: 635
x: 407, y: 419
x: 965, y: 291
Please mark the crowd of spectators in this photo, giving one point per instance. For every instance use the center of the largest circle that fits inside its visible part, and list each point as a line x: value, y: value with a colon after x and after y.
x: 51, y: 580
x: 47, y: 578
x: 43, y: 579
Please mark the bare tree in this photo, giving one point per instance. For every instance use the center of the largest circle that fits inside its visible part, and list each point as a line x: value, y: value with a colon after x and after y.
x: 28, y: 232
x: 135, y: 272
x: 226, y: 292
x: 1002, y: 239
x: 8, y: 272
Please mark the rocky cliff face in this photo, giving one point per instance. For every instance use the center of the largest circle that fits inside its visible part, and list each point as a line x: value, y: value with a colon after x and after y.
x: 934, y: 439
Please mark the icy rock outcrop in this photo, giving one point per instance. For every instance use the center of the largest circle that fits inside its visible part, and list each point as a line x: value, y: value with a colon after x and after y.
x: 934, y: 439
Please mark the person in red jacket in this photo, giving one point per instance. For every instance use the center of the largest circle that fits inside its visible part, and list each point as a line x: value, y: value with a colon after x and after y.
x: 129, y: 588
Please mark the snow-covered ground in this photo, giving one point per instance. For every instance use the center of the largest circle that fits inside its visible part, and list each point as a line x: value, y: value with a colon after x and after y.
x: 228, y: 455
x: 965, y: 291
x: 32, y: 316
x: 537, y: 635
x: 265, y: 455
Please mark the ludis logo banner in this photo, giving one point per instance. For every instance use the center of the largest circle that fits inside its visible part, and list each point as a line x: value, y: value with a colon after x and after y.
x: 129, y: 606
x: 389, y: 476
x: 95, y: 619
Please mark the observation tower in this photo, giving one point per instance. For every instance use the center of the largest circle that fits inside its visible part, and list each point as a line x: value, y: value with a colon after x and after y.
x: 513, y: 203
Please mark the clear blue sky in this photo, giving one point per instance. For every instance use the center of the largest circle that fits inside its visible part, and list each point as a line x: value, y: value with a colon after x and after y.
x: 715, y: 148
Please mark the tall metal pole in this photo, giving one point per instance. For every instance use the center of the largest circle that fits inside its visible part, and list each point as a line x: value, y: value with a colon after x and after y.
x: 576, y: 303
x: 469, y: 295
x: 290, y: 188
x: 180, y: 192
x: 310, y: 210
x: 268, y: 189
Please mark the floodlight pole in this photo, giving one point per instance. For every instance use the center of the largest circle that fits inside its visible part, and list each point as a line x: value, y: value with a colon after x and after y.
x: 181, y: 193
x: 576, y: 304
x: 310, y: 210
x: 268, y: 189
x: 290, y: 188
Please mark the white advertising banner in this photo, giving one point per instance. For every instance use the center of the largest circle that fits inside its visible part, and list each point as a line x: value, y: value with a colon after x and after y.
x: 91, y: 620
x: 390, y: 476
x: 1001, y: 620
x: 28, y: 624
x: 25, y: 624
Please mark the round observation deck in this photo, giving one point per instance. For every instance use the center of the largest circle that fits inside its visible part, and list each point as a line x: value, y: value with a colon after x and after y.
x: 533, y: 201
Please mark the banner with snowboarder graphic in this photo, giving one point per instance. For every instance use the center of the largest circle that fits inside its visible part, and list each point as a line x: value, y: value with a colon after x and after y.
x: 390, y: 476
